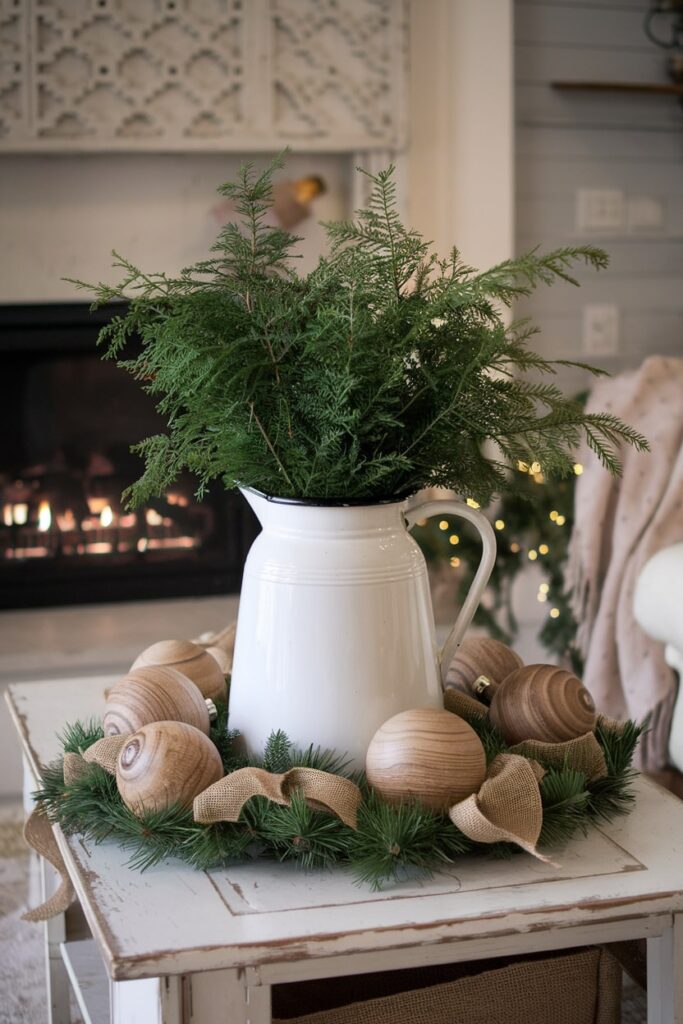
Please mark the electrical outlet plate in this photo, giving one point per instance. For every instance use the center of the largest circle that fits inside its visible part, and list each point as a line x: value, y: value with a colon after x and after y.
x: 600, y: 209
x: 644, y: 213
x: 601, y: 329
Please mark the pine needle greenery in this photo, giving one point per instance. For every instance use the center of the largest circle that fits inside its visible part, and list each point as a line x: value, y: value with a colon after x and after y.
x: 391, y: 843
x: 384, y: 370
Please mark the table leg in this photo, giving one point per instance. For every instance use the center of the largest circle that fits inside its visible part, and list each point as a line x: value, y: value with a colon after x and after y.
x: 219, y: 997
x: 665, y: 975
x: 57, y: 978
x: 147, y: 1001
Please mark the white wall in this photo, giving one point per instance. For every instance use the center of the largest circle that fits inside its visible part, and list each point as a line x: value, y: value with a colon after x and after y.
x: 60, y: 216
x: 567, y: 141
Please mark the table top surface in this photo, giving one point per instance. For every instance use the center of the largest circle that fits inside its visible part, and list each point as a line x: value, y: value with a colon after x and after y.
x: 172, y: 918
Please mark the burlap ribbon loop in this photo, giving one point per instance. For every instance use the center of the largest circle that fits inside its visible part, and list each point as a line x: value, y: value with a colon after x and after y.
x: 583, y: 754
x: 507, y: 808
x: 40, y: 837
x: 462, y: 704
x: 224, y: 800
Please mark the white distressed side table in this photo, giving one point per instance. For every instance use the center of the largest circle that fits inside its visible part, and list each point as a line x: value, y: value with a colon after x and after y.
x: 178, y: 946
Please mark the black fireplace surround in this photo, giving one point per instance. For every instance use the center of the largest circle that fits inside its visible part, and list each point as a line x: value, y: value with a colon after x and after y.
x: 67, y: 421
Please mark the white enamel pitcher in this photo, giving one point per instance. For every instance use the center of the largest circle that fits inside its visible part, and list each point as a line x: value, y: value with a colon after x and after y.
x: 335, y: 632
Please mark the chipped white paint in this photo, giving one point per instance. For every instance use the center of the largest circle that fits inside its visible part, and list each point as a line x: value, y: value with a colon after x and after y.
x: 623, y: 882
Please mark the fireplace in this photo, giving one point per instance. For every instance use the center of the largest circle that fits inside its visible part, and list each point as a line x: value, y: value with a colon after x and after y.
x: 67, y: 421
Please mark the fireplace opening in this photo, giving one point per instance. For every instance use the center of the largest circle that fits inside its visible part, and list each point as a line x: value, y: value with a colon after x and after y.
x: 67, y: 421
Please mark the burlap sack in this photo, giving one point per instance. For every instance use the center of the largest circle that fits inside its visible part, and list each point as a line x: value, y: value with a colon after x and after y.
x: 462, y: 704
x: 581, y: 987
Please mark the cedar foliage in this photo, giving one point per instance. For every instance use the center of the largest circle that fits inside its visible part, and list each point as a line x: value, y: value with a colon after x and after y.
x: 384, y: 370
x: 391, y: 843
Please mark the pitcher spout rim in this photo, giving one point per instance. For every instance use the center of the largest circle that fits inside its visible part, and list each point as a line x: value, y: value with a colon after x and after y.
x: 337, y: 502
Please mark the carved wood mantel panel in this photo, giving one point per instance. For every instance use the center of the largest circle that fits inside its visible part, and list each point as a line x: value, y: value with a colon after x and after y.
x: 230, y: 75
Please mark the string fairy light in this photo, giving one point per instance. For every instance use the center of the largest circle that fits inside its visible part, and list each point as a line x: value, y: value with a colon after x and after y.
x: 543, y: 549
x: 499, y: 524
x: 444, y: 524
x: 454, y: 539
x: 532, y: 555
x: 554, y: 613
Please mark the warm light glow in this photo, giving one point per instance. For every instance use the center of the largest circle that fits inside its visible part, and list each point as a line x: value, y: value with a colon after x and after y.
x: 535, y: 467
x: 500, y: 524
x: 172, y: 542
x: 544, y: 588
x: 514, y: 547
x: 66, y: 520
x: 560, y: 520
x: 540, y: 596
x: 44, y: 516
x: 554, y: 613
x: 99, y: 547
x: 578, y: 468
x: 523, y: 467
x: 454, y: 539
x: 533, y: 555
x: 20, y: 514
x: 106, y: 516
x: 7, y: 515
x: 152, y: 517
x: 543, y: 549
x: 472, y: 503
x: 142, y: 544
x: 128, y: 521
x: 422, y: 522
x: 96, y: 505
x: 455, y: 562
x: 37, y: 552
x: 554, y: 514
x: 443, y: 525
x: 539, y: 478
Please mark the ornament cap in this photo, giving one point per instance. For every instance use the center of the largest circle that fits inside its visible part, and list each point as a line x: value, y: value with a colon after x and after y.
x: 483, y: 688
x: 212, y: 709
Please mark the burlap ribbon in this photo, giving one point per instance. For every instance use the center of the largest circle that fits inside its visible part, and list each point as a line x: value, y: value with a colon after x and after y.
x: 507, y: 808
x: 463, y: 705
x: 224, y: 800
x: 40, y: 837
x: 583, y: 754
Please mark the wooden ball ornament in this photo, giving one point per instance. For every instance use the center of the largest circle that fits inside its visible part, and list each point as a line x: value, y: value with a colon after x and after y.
x: 223, y: 659
x: 166, y: 763
x: 154, y: 694
x: 190, y: 659
x: 542, y: 702
x: 481, y: 656
x: 426, y: 754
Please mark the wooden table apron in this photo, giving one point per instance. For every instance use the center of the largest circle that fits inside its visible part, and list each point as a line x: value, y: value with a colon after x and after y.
x: 256, y: 925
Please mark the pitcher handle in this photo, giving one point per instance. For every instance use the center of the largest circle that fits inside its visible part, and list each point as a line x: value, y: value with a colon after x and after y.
x: 486, y: 563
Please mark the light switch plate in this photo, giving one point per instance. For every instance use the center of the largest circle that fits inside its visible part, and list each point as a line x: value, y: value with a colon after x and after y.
x: 601, y: 329
x: 600, y: 209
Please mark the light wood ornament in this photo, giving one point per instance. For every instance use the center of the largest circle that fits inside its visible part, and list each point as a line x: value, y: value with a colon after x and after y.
x: 223, y: 659
x: 542, y: 702
x: 426, y: 754
x: 166, y: 763
x: 481, y: 656
x: 154, y: 694
x: 190, y: 659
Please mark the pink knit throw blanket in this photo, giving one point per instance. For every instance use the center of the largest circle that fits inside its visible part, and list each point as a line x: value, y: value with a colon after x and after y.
x: 620, y: 524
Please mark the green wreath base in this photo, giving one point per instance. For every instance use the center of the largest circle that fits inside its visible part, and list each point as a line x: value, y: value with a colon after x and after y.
x: 390, y: 844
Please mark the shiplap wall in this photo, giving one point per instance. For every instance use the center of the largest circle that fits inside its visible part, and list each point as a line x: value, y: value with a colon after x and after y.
x: 568, y: 141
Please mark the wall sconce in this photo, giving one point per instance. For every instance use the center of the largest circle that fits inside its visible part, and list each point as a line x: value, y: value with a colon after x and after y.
x: 292, y: 199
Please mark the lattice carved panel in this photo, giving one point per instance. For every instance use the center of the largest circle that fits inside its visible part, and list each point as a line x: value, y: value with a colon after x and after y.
x: 201, y: 74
